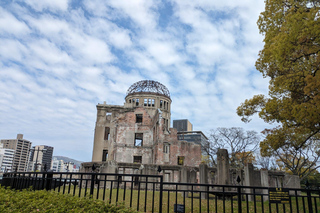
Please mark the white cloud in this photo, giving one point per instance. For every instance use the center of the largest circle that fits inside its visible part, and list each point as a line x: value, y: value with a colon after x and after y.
x: 10, y: 24
x: 57, y: 63
x: 48, y: 4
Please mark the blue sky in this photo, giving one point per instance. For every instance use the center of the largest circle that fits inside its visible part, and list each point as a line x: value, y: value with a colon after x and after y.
x: 58, y: 59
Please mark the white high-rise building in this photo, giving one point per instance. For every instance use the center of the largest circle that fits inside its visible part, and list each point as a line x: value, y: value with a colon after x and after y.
x: 61, y: 166
x: 57, y: 165
x: 6, y: 159
x: 21, y: 155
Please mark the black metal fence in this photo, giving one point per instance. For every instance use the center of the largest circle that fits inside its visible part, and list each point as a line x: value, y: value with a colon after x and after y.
x: 148, y: 193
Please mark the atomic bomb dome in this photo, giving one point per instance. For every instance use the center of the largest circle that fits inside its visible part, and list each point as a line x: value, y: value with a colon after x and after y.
x: 148, y: 86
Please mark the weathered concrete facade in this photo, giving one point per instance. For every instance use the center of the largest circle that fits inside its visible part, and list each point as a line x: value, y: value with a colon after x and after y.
x: 139, y: 131
x: 136, y: 138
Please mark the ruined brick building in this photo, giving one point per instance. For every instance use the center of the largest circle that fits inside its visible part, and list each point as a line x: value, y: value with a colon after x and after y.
x: 136, y: 138
x: 139, y: 131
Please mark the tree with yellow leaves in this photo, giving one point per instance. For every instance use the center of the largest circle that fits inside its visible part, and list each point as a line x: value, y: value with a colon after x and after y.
x: 291, y: 59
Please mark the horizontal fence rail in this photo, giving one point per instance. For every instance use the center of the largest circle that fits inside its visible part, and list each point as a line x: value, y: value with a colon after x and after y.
x: 148, y: 193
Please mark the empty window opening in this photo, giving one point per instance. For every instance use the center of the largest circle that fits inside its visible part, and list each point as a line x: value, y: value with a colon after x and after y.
x: 137, y: 159
x: 139, y: 118
x: 105, y: 155
x: 133, y: 100
x: 161, y: 103
x: 108, y: 115
x: 180, y: 160
x: 137, y: 102
x: 164, y: 105
x: 167, y: 105
x: 152, y: 103
x: 107, y: 133
x: 149, y: 102
x: 166, y: 148
x: 129, y: 100
x: 145, y: 102
x: 167, y: 177
x: 138, y: 139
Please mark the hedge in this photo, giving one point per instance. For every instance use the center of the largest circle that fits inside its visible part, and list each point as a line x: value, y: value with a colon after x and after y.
x: 49, y: 201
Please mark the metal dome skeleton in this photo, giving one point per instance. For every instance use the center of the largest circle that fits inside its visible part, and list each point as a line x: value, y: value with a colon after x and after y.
x: 148, y: 86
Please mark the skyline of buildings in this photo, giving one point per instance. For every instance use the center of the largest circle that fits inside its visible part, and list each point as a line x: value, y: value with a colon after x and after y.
x: 6, y: 159
x: 40, y: 157
x: 19, y: 155
x: 21, y: 147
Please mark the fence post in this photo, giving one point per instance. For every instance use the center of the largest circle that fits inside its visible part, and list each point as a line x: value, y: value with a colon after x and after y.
x: 43, y: 180
x: 49, y: 180
x: 161, y: 194
x: 239, y: 199
x: 309, y: 197
x: 92, y: 184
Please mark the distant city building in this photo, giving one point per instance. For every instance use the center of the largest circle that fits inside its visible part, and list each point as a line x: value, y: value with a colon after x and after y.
x: 6, y: 159
x: 69, y: 167
x: 192, y: 136
x: 57, y: 165
x: 186, y: 133
x: 61, y: 166
x: 182, y: 125
x: 42, y: 156
x: 21, y: 147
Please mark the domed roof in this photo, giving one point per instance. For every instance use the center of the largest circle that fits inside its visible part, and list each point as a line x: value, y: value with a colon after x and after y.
x: 148, y: 86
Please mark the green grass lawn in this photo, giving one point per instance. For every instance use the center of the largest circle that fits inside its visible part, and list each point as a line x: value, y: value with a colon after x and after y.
x: 149, y: 199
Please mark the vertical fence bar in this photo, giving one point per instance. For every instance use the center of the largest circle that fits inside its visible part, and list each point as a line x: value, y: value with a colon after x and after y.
x: 131, y: 191
x: 303, y: 203
x: 216, y: 202
x: 124, y: 189
x: 92, y: 184
x: 138, y: 196
x: 297, y: 204
x: 168, y: 201
x: 309, y: 201
x: 153, y: 189
x: 247, y: 202
x: 118, y: 182
x: 86, y: 186
x: 207, y: 199
x: 254, y: 200
x: 80, y: 184
x: 98, y: 186
x: 239, y: 199
x: 192, y: 198
x: 111, y: 188
x: 145, y: 195
x: 224, y: 198
x: 161, y: 193
x: 104, y: 187
x: 70, y: 179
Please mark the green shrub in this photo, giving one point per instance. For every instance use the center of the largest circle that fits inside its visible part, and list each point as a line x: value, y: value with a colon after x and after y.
x: 49, y: 201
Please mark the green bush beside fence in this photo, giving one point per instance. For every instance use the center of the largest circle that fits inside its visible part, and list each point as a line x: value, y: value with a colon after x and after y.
x: 49, y: 201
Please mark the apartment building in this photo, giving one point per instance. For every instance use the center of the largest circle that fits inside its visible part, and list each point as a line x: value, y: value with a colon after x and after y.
x: 21, y: 147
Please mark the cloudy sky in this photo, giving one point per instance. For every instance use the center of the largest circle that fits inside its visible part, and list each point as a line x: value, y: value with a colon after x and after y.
x: 58, y: 59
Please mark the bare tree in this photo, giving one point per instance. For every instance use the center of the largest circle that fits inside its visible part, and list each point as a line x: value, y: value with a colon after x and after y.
x: 240, y: 144
x: 268, y: 163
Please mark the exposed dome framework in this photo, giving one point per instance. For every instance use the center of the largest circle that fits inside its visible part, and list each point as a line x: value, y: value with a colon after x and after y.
x: 148, y: 86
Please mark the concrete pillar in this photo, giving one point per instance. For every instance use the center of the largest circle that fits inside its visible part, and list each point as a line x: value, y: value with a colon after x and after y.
x: 203, y: 170
x: 264, y: 182
x: 248, y: 179
x: 223, y: 167
x: 98, y: 143
x: 184, y: 176
x: 109, y: 167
